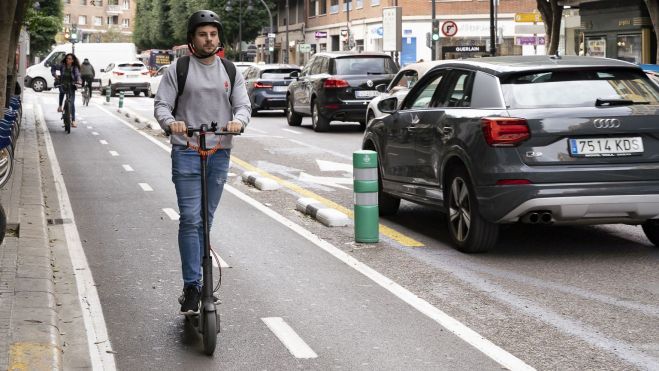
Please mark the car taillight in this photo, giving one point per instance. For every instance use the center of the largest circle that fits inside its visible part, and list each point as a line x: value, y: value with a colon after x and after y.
x: 117, y: 73
x: 505, y: 131
x: 260, y: 85
x: 335, y: 84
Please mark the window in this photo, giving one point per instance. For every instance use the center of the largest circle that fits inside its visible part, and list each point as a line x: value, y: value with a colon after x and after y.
x: 67, y: 18
x: 629, y: 48
x: 459, y: 94
x: 375, y: 2
x: 334, y: 6
x: 113, y: 20
x: 126, y: 4
x: 82, y: 19
x: 83, y: 2
x: 359, y: 4
x: 322, y: 7
x: 347, y: 3
x: 312, y: 8
x: 425, y: 95
x: 67, y: 1
x: 125, y: 23
x: 405, y: 80
x: 577, y: 88
x: 364, y: 66
x: 98, y: 21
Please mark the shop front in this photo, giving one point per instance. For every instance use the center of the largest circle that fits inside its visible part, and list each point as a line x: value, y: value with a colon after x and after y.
x: 618, y: 29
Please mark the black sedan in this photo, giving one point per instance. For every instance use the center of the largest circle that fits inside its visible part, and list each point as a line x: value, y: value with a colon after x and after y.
x: 267, y: 85
x: 540, y: 140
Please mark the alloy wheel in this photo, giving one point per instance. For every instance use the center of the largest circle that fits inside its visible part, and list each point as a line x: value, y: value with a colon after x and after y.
x: 460, y: 211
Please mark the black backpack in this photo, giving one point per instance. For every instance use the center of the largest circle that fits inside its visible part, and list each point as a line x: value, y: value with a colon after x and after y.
x: 182, y: 65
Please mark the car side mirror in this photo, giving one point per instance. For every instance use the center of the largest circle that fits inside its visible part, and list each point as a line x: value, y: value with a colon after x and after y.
x: 294, y: 75
x: 389, y: 105
x: 102, y: 69
x: 47, y: 64
x: 381, y: 88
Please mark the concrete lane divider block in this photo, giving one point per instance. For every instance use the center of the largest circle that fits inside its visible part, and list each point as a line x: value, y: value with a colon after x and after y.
x: 260, y: 182
x: 326, y: 215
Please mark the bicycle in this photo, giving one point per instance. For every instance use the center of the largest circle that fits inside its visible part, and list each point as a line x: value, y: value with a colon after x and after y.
x: 66, y: 111
x: 86, y: 94
x: 207, y: 321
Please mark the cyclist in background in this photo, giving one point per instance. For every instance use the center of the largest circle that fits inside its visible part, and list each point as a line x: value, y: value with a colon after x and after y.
x: 87, y: 72
x: 67, y: 76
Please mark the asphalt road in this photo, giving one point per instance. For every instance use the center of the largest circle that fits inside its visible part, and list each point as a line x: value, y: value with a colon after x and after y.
x: 554, y: 297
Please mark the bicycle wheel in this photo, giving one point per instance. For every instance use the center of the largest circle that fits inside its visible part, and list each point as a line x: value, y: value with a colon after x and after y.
x: 67, y: 116
x: 86, y: 94
x: 3, y: 224
x: 6, y: 165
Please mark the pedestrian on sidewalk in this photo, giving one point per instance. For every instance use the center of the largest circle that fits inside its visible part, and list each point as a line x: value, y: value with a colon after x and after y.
x: 208, y: 95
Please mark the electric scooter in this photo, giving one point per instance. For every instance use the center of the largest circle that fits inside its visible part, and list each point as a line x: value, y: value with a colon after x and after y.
x: 207, y: 321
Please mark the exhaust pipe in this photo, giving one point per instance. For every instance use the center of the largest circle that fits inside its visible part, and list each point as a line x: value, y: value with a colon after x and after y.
x: 531, y: 218
x: 545, y: 217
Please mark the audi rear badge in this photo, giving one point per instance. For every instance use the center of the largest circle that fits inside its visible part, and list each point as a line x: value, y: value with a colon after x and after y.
x: 606, y: 123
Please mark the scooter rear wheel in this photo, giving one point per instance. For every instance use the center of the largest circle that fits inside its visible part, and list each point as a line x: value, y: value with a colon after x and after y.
x: 210, y: 332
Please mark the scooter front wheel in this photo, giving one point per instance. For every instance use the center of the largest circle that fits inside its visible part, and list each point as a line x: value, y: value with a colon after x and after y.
x: 210, y: 332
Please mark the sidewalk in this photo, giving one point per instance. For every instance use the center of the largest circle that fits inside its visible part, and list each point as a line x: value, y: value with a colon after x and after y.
x: 42, y: 325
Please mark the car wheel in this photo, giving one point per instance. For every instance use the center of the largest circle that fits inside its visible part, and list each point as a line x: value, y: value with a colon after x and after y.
x: 387, y: 204
x: 38, y: 84
x: 318, y: 122
x: 651, y: 229
x: 468, y: 230
x: 293, y: 118
x: 136, y: 93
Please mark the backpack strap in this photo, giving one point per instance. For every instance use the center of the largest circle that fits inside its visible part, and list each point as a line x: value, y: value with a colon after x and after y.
x: 182, y: 66
x: 231, y: 71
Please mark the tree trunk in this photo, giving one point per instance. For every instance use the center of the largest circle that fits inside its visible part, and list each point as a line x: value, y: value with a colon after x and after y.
x: 653, y: 9
x: 552, y: 13
x: 17, y: 23
x: 7, y: 11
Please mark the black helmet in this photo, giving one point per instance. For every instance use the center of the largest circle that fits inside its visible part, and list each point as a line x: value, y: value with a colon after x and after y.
x: 203, y: 17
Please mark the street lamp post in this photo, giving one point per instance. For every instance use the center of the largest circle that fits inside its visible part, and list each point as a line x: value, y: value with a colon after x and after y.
x: 286, y: 46
x: 348, y: 22
x: 271, y: 28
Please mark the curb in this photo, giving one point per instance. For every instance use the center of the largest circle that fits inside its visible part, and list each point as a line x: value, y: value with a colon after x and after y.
x: 35, y: 341
x: 260, y: 182
x: 326, y: 215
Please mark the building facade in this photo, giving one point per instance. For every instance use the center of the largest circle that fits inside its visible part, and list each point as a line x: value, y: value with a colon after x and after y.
x: 101, y: 20
x: 329, y: 25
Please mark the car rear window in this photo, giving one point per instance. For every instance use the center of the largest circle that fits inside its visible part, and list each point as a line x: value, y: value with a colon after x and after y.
x: 577, y: 88
x: 131, y: 66
x: 364, y: 66
x: 280, y: 73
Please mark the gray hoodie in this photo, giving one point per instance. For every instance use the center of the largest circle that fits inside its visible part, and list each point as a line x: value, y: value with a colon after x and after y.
x: 204, y: 99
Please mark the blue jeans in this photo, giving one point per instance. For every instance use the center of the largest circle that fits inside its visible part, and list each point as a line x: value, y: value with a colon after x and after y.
x: 186, y: 175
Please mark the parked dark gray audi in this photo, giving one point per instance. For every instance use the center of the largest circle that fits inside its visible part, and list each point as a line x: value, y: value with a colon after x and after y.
x: 552, y: 140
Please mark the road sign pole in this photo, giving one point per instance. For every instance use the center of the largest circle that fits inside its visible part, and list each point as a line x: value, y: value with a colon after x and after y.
x: 433, y: 42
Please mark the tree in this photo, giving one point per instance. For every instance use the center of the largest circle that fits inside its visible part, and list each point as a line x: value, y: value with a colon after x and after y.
x: 161, y: 35
x: 552, y: 13
x: 12, y: 14
x: 43, y: 24
x: 653, y: 9
x: 142, y: 30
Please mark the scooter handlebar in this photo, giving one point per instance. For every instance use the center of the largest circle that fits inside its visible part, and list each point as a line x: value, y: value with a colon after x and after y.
x: 206, y: 130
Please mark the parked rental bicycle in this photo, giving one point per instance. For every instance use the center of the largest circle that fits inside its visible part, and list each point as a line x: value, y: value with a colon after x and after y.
x: 9, y: 131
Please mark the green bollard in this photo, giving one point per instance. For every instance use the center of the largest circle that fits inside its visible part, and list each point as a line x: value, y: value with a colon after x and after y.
x: 107, y: 94
x: 121, y: 99
x: 365, y: 185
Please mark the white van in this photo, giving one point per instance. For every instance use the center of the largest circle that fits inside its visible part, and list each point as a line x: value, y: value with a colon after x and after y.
x: 38, y: 76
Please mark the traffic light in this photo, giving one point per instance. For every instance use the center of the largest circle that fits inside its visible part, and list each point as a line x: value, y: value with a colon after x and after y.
x: 67, y: 33
x: 435, y: 29
x: 73, y: 37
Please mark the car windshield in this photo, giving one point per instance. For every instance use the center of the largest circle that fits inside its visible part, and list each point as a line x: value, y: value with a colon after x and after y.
x: 577, y: 88
x: 131, y: 66
x: 281, y: 73
x: 364, y: 66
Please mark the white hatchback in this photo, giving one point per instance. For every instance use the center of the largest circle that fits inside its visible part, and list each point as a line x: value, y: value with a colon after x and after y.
x: 155, y: 80
x: 123, y: 76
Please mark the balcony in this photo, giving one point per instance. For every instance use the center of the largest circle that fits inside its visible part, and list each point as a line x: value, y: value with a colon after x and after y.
x: 114, y: 9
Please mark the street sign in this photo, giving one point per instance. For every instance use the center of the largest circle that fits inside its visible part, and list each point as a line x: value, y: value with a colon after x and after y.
x: 529, y: 40
x: 392, y: 22
x: 304, y: 48
x: 320, y: 35
x: 272, y: 35
x: 528, y: 17
x: 521, y: 29
x: 449, y: 28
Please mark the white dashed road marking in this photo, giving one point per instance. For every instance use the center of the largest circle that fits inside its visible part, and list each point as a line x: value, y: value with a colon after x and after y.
x: 114, y: 153
x: 103, y: 141
x: 94, y: 133
x: 171, y: 213
x: 127, y: 168
x: 290, y: 339
x: 292, y: 131
x: 145, y: 187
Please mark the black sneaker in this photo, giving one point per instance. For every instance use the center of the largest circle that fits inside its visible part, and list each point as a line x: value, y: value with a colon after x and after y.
x: 189, y: 300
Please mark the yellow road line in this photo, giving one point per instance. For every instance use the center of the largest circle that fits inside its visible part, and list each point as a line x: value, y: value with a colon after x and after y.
x: 390, y: 233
